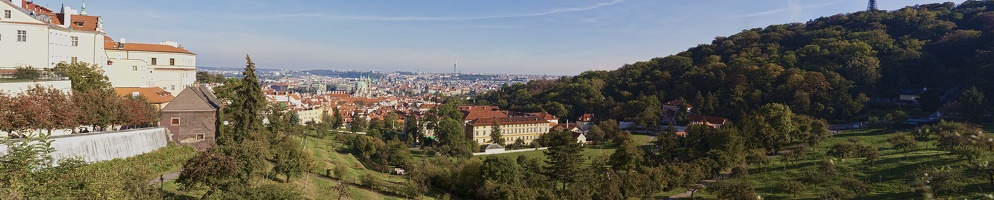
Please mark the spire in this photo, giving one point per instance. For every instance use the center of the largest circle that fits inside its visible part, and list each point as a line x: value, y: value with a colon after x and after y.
x: 82, y: 9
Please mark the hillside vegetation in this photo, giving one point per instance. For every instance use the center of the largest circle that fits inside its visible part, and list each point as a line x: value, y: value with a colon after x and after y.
x: 830, y: 67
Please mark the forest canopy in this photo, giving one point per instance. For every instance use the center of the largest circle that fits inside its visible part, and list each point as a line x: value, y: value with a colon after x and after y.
x: 829, y: 67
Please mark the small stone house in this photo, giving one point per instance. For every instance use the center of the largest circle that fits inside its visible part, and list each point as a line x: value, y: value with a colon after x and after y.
x: 191, y: 118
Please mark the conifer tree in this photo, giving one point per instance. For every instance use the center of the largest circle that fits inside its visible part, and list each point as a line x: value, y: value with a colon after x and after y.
x: 496, y: 136
x: 245, y: 108
x: 563, y: 158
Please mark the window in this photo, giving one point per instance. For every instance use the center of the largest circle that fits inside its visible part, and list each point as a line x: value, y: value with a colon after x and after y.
x: 172, y: 62
x: 154, y: 61
x: 75, y: 41
x: 200, y: 136
x: 74, y: 59
x: 172, y: 87
x: 22, y: 36
x: 6, y: 14
x: 134, y: 68
x: 174, y: 121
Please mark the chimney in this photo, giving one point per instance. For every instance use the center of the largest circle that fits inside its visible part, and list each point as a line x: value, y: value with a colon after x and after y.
x: 18, y: 3
x: 120, y: 45
x: 67, y: 17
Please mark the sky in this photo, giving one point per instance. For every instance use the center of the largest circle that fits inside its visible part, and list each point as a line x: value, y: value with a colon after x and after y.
x: 553, y: 37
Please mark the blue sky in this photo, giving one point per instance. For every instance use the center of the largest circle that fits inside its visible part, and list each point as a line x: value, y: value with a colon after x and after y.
x: 561, y: 37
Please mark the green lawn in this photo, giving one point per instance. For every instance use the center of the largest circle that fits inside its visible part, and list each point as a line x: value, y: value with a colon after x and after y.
x: 888, y: 177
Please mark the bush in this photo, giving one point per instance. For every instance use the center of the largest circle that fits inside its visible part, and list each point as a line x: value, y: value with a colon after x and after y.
x: 27, y: 73
x: 370, y: 181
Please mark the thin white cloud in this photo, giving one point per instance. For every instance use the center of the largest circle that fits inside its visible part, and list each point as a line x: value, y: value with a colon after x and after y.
x: 419, y: 18
x: 794, y: 7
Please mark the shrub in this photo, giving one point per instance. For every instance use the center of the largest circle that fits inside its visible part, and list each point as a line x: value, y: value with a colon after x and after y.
x: 27, y: 73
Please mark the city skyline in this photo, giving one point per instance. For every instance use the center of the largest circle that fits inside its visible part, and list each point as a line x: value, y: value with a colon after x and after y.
x: 560, y: 37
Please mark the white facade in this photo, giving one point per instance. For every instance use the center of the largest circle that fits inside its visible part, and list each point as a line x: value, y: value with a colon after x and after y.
x: 23, y: 39
x: 135, y: 68
x: 27, y: 40
x: 39, y: 41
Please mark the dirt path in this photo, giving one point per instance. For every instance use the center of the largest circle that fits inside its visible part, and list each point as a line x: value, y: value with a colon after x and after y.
x: 165, y: 178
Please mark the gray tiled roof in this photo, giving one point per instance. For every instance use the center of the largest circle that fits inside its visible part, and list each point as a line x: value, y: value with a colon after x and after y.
x: 194, y: 98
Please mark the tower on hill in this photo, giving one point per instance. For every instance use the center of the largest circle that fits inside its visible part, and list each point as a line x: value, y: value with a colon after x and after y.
x: 872, y: 6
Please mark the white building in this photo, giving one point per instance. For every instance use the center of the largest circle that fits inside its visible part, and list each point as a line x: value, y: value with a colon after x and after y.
x: 32, y: 35
x: 166, y: 65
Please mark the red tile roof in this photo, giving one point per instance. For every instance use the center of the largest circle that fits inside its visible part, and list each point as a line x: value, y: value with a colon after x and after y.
x: 473, y: 115
x: 508, y: 120
x: 111, y: 44
x: 83, y: 22
x: 155, y: 95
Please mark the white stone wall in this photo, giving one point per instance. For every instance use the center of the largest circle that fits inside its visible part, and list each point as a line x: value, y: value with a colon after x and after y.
x: 107, y: 145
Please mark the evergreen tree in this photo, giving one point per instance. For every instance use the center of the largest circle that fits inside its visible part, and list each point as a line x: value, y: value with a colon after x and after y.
x: 973, y: 102
x: 563, y: 158
x: 495, y: 135
x: 245, y: 110
x: 338, y: 120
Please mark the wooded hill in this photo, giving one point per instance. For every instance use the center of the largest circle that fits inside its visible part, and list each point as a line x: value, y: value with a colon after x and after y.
x: 830, y: 67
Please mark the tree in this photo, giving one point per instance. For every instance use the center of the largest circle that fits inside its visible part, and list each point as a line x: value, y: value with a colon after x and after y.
x: 452, y: 140
x: 390, y: 121
x: 244, y: 110
x: 628, y: 155
x: 501, y: 169
x: 734, y: 189
x: 792, y: 187
x: 563, y: 158
x: 596, y: 134
x: 495, y: 135
x: 212, y: 169
x: 359, y: 123
x: 857, y: 186
x: 412, y: 127
x: 777, y: 124
x: 973, y: 104
x: 290, y: 160
x: 84, y: 77
x: 902, y: 142
x: 338, y: 120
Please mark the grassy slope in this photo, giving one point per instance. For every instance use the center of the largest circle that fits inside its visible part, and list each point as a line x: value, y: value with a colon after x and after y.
x: 589, y: 151
x: 888, y: 177
x: 325, y: 154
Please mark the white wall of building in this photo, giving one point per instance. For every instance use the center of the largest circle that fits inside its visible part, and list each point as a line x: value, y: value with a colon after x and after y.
x: 32, y: 52
x: 171, y: 78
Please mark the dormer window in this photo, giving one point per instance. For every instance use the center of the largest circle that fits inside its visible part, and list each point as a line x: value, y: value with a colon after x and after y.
x: 78, y: 23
